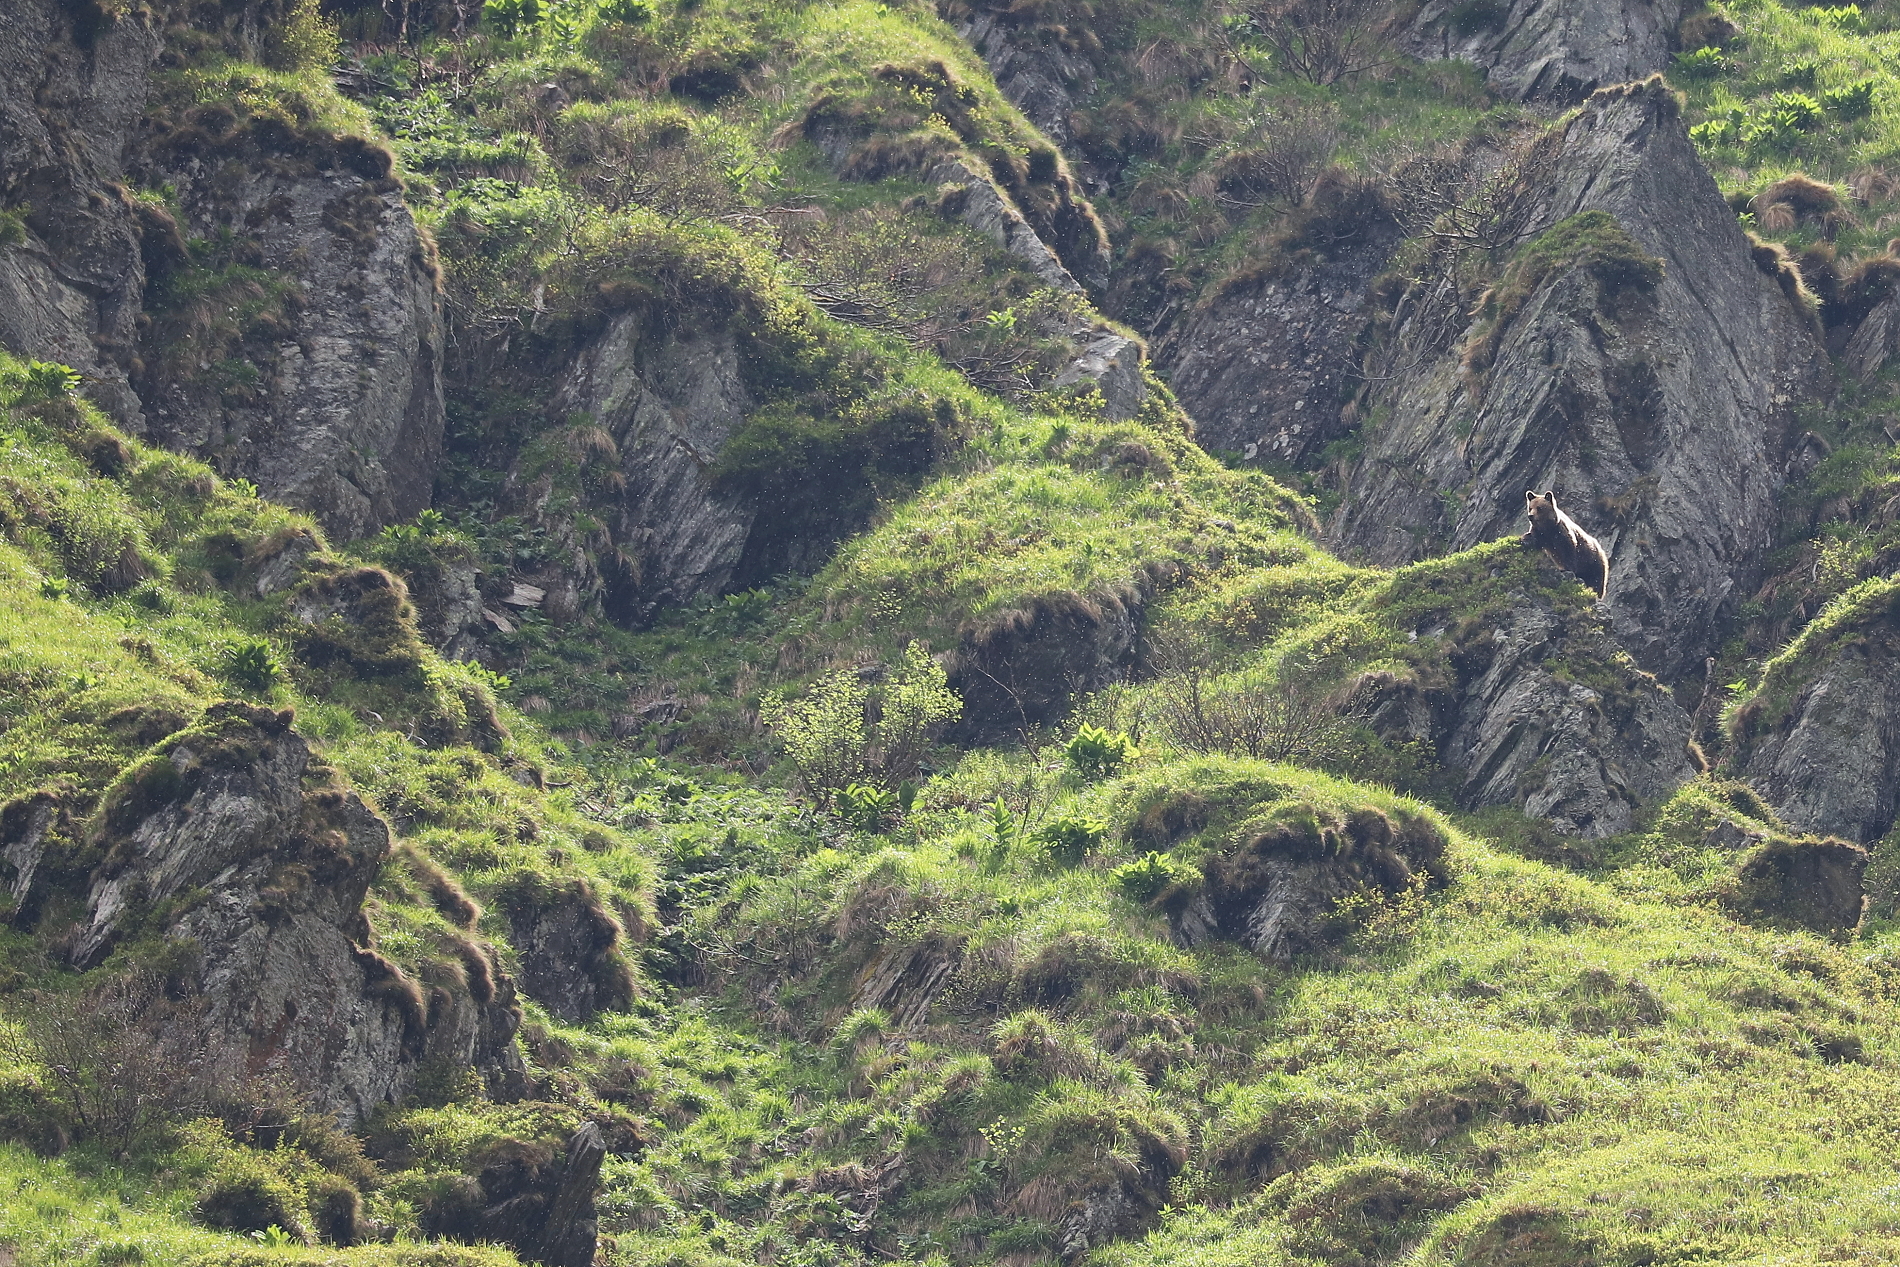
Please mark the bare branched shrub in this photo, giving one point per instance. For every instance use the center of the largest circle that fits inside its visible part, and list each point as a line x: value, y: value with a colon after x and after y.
x: 872, y: 269
x: 1277, y: 157
x: 116, y: 1073
x: 1322, y: 41
x: 1284, y: 711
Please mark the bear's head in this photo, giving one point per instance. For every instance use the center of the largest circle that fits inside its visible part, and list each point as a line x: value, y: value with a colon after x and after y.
x: 1541, y: 507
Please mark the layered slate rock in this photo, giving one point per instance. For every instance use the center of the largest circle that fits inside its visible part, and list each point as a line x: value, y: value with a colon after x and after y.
x: 668, y: 412
x: 228, y: 839
x: 71, y: 93
x: 1658, y: 412
x: 1820, y: 739
x: 330, y: 399
x: 1266, y: 360
x: 1540, y: 711
x: 1555, y: 51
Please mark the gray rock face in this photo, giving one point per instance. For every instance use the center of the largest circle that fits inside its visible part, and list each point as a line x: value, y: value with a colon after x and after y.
x: 69, y: 99
x: 344, y: 413
x: 1831, y: 763
x: 1275, y: 893
x: 1556, y: 51
x: 1580, y: 757
x: 1025, y: 668
x: 1041, y: 79
x: 1876, y: 340
x: 1811, y: 884
x: 569, y: 948
x: 1113, y: 363
x: 1264, y: 367
x: 986, y: 210
x: 217, y: 837
x: 1659, y: 417
x: 669, y: 413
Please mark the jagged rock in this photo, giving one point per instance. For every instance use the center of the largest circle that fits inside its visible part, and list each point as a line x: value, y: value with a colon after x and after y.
x: 904, y: 978
x: 1276, y: 893
x: 985, y: 209
x: 1658, y: 415
x: 1024, y: 668
x: 1555, y: 51
x: 1040, y: 78
x: 1526, y: 733
x: 537, y: 1202
x: 669, y: 414
x: 1821, y: 740
x: 71, y: 92
x: 25, y: 824
x: 342, y: 414
x: 1811, y: 884
x: 569, y: 947
x: 1113, y: 362
x: 279, y: 562
x: 215, y: 838
x: 1263, y: 363
x: 1876, y: 340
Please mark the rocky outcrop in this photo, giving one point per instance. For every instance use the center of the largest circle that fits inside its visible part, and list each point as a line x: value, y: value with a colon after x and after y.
x: 982, y: 206
x: 1113, y: 362
x: 73, y: 84
x: 1821, y: 738
x: 904, y: 978
x: 1040, y: 77
x: 1876, y: 340
x: 1811, y: 884
x: 1554, y: 51
x: 227, y: 837
x: 1542, y: 711
x: 533, y: 1196
x: 1657, y: 412
x: 325, y: 388
x: 1265, y: 361
x: 668, y: 414
x: 1024, y: 668
x: 569, y: 949
x: 1277, y: 892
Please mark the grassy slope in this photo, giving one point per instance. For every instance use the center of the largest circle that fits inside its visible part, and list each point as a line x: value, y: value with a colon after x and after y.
x: 1529, y: 1063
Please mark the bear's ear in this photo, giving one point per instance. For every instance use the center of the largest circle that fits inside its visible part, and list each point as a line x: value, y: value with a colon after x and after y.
x: 1550, y: 495
x: 1529, y: 497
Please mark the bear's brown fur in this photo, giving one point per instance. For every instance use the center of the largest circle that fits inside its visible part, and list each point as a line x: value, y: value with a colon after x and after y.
x: 1565, y: 541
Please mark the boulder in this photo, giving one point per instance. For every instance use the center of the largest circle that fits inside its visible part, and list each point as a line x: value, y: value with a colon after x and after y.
x: 668, y: 412
x: 986, y: 209
x: 71, y: 93
x: 1278, y: 892
x: 1821, y: 737
x: 1541, y: 711
x: 329, y: 398
x: 227, y: 838
x: 1811, y: 884
x: 1657, y: 408
x: 534, y: 1199
x: 1113, y: 362
x: 1024, y: 668
x: 569, y: 948
x: 1551, y: 51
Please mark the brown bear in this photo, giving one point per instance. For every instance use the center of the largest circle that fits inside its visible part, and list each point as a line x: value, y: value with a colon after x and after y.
x: 1566, y: 542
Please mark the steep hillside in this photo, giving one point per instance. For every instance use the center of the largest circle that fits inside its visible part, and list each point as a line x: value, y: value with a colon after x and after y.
x: 677, y: 633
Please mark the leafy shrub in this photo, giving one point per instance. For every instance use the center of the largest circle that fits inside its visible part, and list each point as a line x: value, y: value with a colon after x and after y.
x: 510, y: 18
x: 246, y: 1195
x: 629, y: 12
x: 1095, y: 753
x: 1146, y: 878
x: 1703, y: 63
x: 306, y: 40
x: 1855, y: 101
x: 844, y: 731
x: 865, y: 808
x: 1070, y: 840
x: 253, y: 666
x: 1800, y: 74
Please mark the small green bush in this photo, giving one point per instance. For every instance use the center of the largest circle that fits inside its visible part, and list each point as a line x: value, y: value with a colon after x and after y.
x: 1146, y: 878
x: 253, y: 666
x: 1095, y: 753
x: 1069, y: 841
x: 627, y: 12
x: 245, y: 1196
x: 1703, y: 63
x: 1856, y: 101
x: 509, y: 18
